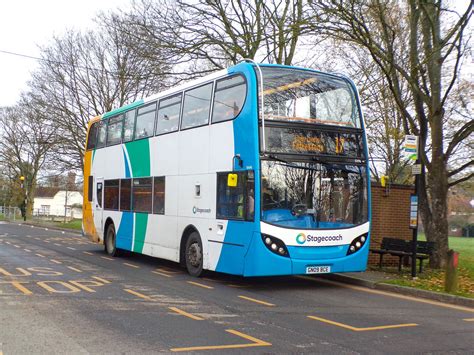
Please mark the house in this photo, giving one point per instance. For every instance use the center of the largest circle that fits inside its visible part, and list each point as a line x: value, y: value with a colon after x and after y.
x: 52, y: 201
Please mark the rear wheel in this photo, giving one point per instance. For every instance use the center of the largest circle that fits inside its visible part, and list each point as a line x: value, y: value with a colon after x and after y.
x: 110, y: 241
x: 194, y: 255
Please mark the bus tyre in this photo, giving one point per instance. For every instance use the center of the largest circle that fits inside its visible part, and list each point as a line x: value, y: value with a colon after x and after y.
x: 110, y: 241
x: 193, y: 255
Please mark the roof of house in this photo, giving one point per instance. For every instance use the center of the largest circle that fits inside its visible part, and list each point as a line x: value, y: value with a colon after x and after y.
x: 47, y: 192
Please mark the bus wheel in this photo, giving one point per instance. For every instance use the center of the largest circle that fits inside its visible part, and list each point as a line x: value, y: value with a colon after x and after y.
x: 110, y: 241
x: 193, y: 255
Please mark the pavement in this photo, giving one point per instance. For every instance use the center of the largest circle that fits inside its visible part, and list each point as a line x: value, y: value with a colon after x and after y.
x: 377, y: 280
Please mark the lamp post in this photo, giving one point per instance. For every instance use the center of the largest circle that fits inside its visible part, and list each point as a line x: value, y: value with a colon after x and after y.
x: 25, y: 201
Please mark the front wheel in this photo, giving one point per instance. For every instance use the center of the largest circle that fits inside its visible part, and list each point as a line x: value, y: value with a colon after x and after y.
x: 110, y: 241
x: 194, y: 255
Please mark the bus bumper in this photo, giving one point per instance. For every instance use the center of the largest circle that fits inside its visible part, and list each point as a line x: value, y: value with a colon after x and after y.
x: 260, y: 261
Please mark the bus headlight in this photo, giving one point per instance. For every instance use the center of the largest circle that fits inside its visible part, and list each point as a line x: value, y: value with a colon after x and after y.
x: 357, y: 243
x: 275, y: 245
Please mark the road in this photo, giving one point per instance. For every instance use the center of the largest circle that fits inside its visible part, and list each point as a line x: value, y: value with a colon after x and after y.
x: 59, y: 293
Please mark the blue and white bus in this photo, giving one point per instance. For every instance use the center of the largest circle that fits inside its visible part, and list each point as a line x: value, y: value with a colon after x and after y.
x: 255, y: 170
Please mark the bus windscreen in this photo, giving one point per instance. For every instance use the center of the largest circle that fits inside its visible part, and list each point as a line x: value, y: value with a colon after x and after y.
x: 305, y: 96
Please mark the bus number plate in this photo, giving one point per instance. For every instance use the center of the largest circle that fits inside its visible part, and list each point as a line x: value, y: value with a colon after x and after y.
x: 318, y: 269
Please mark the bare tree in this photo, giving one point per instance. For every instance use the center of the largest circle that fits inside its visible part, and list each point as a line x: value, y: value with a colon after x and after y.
x: 202, y: 36
x: 26, y: 139
x: 84, y: 75
x: 433, y: 38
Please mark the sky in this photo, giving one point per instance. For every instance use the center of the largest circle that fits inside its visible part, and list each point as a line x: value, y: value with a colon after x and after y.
x: 27, y: 24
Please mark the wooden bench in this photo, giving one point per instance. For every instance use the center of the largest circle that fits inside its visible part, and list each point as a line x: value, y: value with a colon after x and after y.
x: 403, y: 249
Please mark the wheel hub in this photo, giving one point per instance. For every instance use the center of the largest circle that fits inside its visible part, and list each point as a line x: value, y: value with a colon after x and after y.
x: 194, y: 254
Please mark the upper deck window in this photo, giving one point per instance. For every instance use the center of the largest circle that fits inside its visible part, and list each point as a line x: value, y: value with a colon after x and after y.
x: 114, y: 130
x: 102, y: 134
x: 168, y: 114
x: 197, y: 103
x: 145, y: 121
x: 305, y: 96
x: 91, y: 141
x: 229, y: 97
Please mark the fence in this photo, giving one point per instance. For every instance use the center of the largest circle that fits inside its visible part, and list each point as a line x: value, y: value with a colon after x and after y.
x: 10, y: 213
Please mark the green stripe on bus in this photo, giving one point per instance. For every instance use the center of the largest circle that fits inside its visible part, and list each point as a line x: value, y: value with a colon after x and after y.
x: 141, y: 221
x: 123, y: 109
x: 139, y: 155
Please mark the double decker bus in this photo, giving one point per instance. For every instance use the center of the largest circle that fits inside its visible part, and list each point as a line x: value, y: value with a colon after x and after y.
x: 255, y: 170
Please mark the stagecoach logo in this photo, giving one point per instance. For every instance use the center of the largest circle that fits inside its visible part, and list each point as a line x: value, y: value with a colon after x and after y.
x: 302, y: 238
x: 201, y: 210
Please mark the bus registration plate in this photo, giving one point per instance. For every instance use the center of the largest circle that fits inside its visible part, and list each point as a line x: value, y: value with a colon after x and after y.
x: 318, y: 269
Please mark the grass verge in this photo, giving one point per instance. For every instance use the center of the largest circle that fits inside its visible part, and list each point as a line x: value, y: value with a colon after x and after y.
x: 433, y: 280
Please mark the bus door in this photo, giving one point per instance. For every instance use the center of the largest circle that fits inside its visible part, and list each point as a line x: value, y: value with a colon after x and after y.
x: 99, y: 206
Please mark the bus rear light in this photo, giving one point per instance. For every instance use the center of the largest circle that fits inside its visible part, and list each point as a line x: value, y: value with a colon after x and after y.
x: 275, y: 245
x: 357, y: 243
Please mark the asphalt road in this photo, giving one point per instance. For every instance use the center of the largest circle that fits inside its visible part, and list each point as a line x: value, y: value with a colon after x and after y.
x: 61, y: 294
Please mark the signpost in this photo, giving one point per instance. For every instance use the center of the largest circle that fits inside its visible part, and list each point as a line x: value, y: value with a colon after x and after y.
x: 411, y: 147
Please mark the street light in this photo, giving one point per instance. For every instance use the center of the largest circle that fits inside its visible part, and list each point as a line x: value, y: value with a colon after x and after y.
x: 22, y: 179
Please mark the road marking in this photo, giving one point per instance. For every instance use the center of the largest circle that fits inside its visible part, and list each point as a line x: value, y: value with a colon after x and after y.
x: 254, y: 342
x: 56, y: 261
x: 41, y: 256
x: 238, y: 286
x: 161, y: 273
x: 73, y: 269
x: 168, y: 271
x: 47, y: 241
x: 131, y: 265
x: 47, y: 287
x: 138, y: 294
x: 355, y: 329
x: 200, y: 285
x: 184, y: 313
x: 37, y: 239
x: 46, y: 229
x: 71, y: 248
x: 88, y: 253
x: 27, y: 250
x: 101, y: 279
x: 20, y: 287
x: 8, y: 243
x: 257, y: 301
x: 16, y: 246
x: 58, y: 245
x: 107, y: 258
x: 390, y: 294
x: 469, y: 319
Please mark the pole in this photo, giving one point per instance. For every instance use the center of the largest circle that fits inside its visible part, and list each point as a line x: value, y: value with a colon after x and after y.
x: 415, y: 229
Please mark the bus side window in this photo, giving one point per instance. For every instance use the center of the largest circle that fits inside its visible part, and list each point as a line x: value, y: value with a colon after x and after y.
x: 141, y: 195
x: 125, y: 194
x: 114, y: 130
x: 128, y: 126
x: 159, y: 195
x: 111, y: 194
x: 145, y: 124
x: 168, y: 114
x: 91, y: 141
x: 196, y: 106
x: 229, y: 97
x: 101, y: 135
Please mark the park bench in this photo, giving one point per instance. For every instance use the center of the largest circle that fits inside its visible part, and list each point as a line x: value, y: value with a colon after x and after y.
x: 403, y: 249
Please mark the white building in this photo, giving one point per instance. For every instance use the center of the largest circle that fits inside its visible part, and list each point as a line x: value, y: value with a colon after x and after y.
x: 51, y: 201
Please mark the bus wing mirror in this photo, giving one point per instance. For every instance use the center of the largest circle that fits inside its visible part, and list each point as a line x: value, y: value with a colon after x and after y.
x: 232, y: 180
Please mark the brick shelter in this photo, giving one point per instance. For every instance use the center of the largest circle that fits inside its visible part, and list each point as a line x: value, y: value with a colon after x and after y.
x: 390, y: 218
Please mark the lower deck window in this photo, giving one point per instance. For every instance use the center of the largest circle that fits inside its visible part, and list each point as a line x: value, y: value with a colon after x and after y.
x: 141, y: 195
x: 235, y: 195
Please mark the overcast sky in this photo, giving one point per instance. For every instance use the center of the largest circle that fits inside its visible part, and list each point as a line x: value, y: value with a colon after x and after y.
x: 25, y: 24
